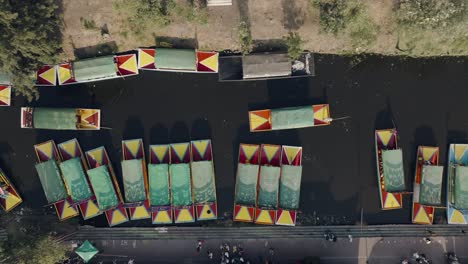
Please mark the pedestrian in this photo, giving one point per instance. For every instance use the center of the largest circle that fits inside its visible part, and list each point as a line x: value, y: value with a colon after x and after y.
x: 350, y: 237
x: 234, y: 249
x: 210, y: 254
x: 226, y: 254
x: 271, y: 251
x: 428, y: 240
x: 227, y: 247
x: 241, y: 259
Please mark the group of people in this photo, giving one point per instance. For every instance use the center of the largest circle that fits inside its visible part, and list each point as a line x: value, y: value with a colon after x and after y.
x: 228, y: 255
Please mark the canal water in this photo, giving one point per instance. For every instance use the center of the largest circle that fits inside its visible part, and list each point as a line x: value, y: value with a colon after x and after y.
x: 424, y: 98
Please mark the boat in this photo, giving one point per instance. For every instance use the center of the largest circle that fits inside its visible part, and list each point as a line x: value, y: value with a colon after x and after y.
x: 245, y: 194
x: 457, y: 184
x: 178, y: 60
x: 181, y: 183
x: 268, y: 184
x: 264, y: 66
x: 106, y: 188
x: 289, y: 118
x: 203, y: 179
x: 135, y: 179
x: 5, y: 89
x: 290, y: 185
x: 159, y: 186
x: 73, y: 166
x: 9, y: 197
x: 60, y: 118
x: 390, y: 173
x: 88, y: 70
x: 51, y: 180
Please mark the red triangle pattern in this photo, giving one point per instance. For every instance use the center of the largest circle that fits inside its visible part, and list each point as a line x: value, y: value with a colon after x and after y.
x: 93, y: 119
x: 152, y: 53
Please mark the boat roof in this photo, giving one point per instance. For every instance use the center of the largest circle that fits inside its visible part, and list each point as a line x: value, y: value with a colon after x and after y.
x: 461, y: 188
x: 431, y: 185
x: 134, y: 185
x: 75, y: 179
x: 290, y: 187
x: 158, y: 175
x: 103, y: 188
x: 203, y: 180
x: 246, y: 184
x: 51, y: 181
x: 54, y: 118
x: 176, y: 59
x: 94, y: 68
x: 181, y: 193
x: 292, y: 117
x: 393, y: 172
x: 266, y: 65
x: 268, y: 186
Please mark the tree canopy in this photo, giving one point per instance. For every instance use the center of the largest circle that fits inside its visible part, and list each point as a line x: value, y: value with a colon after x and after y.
x: 29, y: 37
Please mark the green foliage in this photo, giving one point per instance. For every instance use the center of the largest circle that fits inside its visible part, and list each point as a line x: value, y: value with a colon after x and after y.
x: 362, y: 31
x: 429, y: 13
x: 245, y: 37
x: 88, y: 24
x: 30, y: 37
x: 332, y: 14
x: 192, y: 13
x: 37, y: 251
x: 294, y: 44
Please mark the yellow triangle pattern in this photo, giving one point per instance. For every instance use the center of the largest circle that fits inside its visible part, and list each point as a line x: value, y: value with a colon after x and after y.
x: 91, y: 210
x: 96, y: 154
x: 162, y: 217
x: 144, y: 59
x: 211, y: 62
x: 159, y: 151
x: 291, y: 152
x: 64, y: 74
x: 69, y: 147
x: 133, y: 145
x: 68, y: 211
x: 422, y: 217
x: 285, y: 219
x: 264, y: 217
x: 385, y: 136
x: 391, y: 201
x: 49, y: 75
x: 204, y: 213
x: 243, y: 214
x: 457, y: 217
x: 46, y: 148
x: 270, y: 151
x: 249, y: 150
x: 184, y: 216
x: 140, y: 212
x: 130, y: 64
x: 256, y: 121
x: 322, y: 113
x: 11, y: 201
x: 201, y: 146
x: 459, y: 151
x: 118, y: 217
x: 5, y: 95
x: 428, y: 152
x: 180, y: 149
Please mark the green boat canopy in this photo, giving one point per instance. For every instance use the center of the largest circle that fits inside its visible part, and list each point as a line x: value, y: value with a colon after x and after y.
x: 175, y: 59
x: 204, y: 188
x: 246, y: 184
x: 158, y: 184
x: 94, y: 69
x: 431, y: 185
x: 51, y: 181
x: 75, y: 179
x: 290, y: 187
x: 269, y: 185
x: 55, y: 118
x: 103, y: 187
x: 180, y: 184
x: 461, y: 188
x: 292, y: 117
x: 86, y: 251
x: 5, y: 78
x: 134, y: 184
x: 393, y: 172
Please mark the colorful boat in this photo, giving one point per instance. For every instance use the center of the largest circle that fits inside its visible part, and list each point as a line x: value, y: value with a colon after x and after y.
x: 246, y: 183
x: 73, y: 167
x: 427, y: 188
x: 290, y: 185
x: 159, y: 185
x: 106, y: 188
x: 268, y: 184
x: 5, y: 89
x: 60, y: 118
x: 52, y: 182
x: 88, y: 70
x: 390, y: 173
x: 203, y: 179
x: 135, y: 179
x: 9, y: 197
x: 457, y: 184
x: 177, y: 60
x: 265, y: 66
x: 289, y: 118
x: 181, y: 183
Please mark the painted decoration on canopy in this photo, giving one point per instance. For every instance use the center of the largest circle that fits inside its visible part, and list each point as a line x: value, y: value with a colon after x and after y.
x: 9, y: 197
x: 203, y: 179
x: 457, y: 182
x: 65, y: 73
x: 207, y: 61
x: 73, y: 169
x: 146, y: 59
x: 423, y: 213
x: 5, y: 95
x: 246, y: 183
x: 181, y: 186
x: 386, y: 140
x: 60, y: 118
x: 86, y: 251
x: 99, y: 159
x: 47, y: 157
x: 393, y: 172
x: 159, y: 190
x: 289, y: 118
x: 126, y: 64
x: 46, y: 76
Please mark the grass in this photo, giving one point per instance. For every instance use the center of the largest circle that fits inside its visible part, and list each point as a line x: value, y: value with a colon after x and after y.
x: 245, y: 37
x: 88, y: 24
x: 294, y: 44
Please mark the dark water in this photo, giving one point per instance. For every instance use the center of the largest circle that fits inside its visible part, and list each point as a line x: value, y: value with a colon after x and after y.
x: 426, y: 99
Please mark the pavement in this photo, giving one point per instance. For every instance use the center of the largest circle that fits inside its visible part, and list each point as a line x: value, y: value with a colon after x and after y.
x: 425, y: 98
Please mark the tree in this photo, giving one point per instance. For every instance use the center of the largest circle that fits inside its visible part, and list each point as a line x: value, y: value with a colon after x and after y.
x: 29, y: 37
x: 294, y: 44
